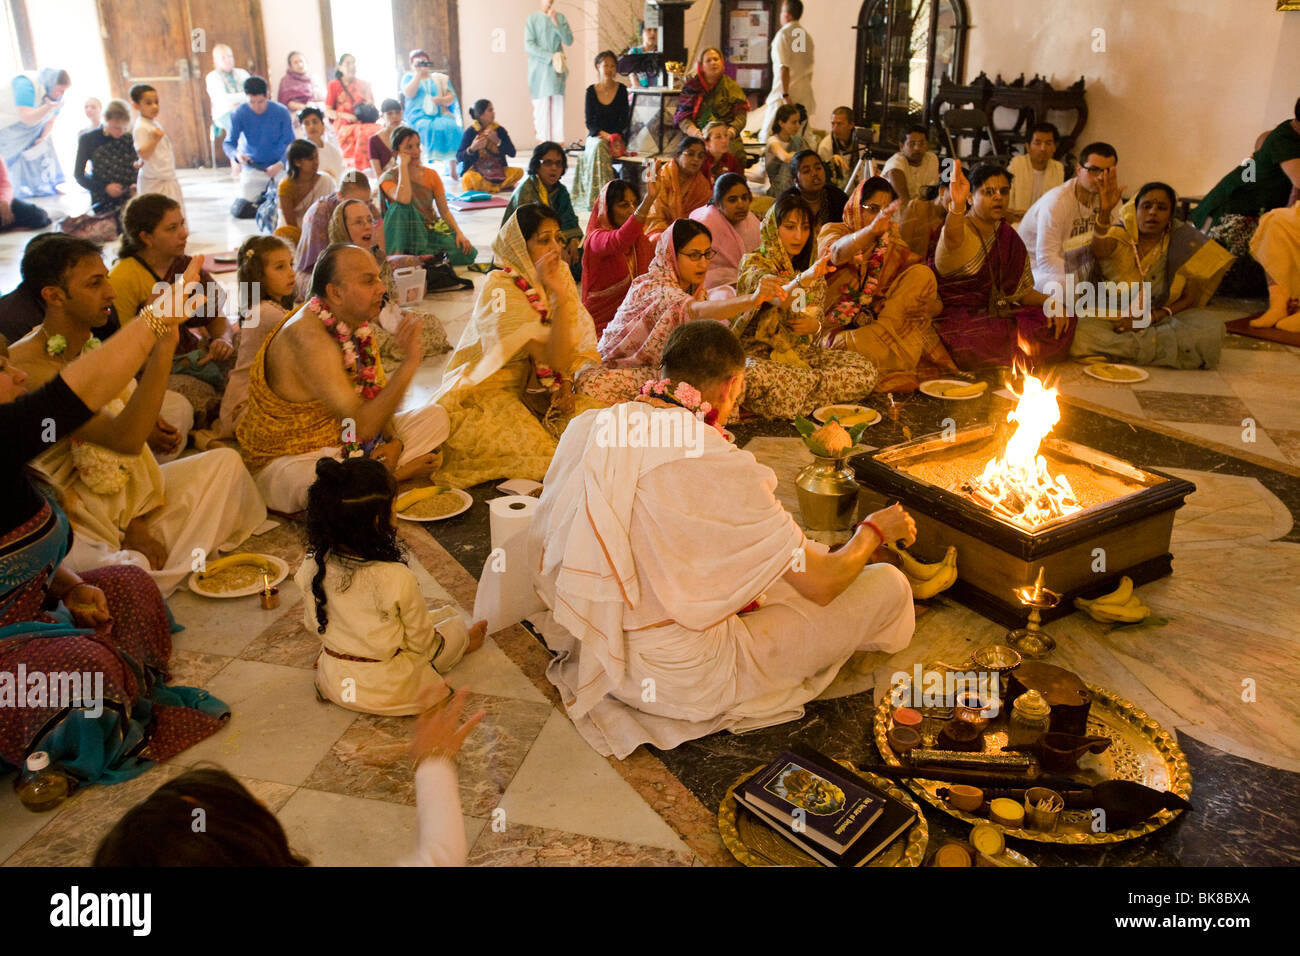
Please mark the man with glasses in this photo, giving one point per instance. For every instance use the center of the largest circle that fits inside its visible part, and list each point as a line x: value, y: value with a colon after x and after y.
x: 1057, y: 230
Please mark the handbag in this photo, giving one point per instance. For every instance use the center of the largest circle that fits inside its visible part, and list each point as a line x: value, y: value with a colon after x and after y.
x: 96, y: 228
x: 558, y: 62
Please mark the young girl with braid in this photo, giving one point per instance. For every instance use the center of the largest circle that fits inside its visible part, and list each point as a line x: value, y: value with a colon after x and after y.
x: 383, y: 651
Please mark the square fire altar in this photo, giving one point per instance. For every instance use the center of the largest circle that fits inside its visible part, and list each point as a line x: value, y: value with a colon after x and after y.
x: 1013, y: 505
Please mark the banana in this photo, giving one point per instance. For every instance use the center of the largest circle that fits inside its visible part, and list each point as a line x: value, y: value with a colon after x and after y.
x: 234, y: 560
x: 942, y: 580
x: 914, y: 568
x: 419, y: 494
x: 1130, y: 613
x: 1120, y: 595
x: 965, y: 391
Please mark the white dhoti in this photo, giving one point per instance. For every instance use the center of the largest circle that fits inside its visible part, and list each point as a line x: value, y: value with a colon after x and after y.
x: 177, y: 412
x: 210, y: 504
x: 548, y: 118
x: 253, y: 182
x: 284, y: 482
x: 168, y: 186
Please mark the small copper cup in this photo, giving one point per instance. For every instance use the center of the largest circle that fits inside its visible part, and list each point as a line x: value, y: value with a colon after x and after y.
x: 271, y: 599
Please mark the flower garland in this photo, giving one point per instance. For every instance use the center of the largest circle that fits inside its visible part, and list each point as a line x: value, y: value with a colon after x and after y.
x: 56, y: 345
x: 683, y: 395
x: 360, y: 355
x: 533, y: 296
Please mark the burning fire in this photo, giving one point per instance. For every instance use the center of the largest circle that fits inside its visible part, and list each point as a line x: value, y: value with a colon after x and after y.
x: 1017, y: 484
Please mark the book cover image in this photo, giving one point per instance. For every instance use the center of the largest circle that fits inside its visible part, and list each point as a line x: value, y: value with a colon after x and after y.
x: 802, y: 788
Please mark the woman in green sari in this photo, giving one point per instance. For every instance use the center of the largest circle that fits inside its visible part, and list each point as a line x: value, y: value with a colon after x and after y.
x: 712, y: 95
x: 417, y: 220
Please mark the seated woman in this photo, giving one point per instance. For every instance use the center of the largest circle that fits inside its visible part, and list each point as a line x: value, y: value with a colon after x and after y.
x: 381, y: 147
x: 671, y: 293
x: 316, y: 227
x: 303, y: 185
x: 808, y: 174
x: 353, y: 222
x: 782, y: 146
x: 710, y: 95
x: 347, y: 94
x: 542, y: 185
x: 616, y: 250
x: 1276, y: 247
x: 735, y: 232
x: 111, y: 155
x: 786, y: 374
x: 125, y: 508
x: 683, y: 188
x: 417, y: 219
x: 265, y: 264
x: 154, y: 234
x: 432, y: 109
x: 882, y: 298
x: 992, y: 316
x: 297, y: 89
x: 718, y: 157
x: 110, y: 622
x: 383, y: 651
x: 1183, y: 270
x: 484, y: 149
x: 608, y: 114
x: 1230, y: 211
x: 508, y: 386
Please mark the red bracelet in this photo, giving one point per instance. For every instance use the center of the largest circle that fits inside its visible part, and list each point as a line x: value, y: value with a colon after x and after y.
x: 872, y: 525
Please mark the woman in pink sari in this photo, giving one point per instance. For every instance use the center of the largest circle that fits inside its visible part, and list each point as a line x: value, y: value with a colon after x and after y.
x: 735, y: 232
x: 670, y: 293
x: 346, y: 95
x: 616, y: 250
x: 992, y: 316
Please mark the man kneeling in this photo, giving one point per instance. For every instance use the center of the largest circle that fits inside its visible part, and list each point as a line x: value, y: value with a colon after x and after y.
x: 318, y: 389
x: 655, y: 537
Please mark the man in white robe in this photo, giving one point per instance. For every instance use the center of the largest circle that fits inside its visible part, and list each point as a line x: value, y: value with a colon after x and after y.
x: 792, y: 67
x: 654, y: 532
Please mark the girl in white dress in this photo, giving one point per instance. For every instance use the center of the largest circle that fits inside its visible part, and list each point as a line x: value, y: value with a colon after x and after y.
x: 382, y: 650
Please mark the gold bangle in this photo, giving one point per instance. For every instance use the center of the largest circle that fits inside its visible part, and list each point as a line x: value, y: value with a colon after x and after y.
x: 154, y: 321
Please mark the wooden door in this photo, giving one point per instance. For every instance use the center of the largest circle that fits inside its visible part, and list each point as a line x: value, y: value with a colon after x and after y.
x: 431, y: 25
x: 148, y: 41
x: 237, y: 24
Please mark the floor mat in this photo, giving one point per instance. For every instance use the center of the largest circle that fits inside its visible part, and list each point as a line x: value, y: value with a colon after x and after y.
x: 1243, y: 327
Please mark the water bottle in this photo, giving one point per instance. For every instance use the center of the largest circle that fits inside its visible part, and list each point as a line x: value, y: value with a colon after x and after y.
x: 41, y: 787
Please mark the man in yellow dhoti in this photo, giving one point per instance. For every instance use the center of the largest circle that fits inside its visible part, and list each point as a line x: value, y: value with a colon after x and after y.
x: 682, y: 597
x: 124, y: 507
x: 318, y: 389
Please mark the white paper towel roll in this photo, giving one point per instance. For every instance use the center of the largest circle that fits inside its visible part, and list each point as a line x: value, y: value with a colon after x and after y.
x: 505, y: 589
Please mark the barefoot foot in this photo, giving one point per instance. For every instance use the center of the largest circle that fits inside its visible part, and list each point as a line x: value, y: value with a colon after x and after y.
x: 421, y: 467
x: 1290, y: 324
x: 1272, y: 317
x: 477, y: 634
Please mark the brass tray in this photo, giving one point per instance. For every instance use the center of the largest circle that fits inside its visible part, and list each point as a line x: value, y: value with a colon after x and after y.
x: 753, y: 843
x: 1141, y: 750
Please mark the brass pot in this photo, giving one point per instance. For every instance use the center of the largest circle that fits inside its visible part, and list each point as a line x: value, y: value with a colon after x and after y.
x: 828, y: 495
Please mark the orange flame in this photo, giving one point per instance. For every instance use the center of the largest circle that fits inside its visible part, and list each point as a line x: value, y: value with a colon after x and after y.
x: 1017, y: 484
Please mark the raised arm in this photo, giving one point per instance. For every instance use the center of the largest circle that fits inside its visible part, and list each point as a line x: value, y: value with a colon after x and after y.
x: 318, y: 360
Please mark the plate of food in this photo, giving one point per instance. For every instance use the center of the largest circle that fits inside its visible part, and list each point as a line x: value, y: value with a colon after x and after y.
x: 847, y: 415
x: 953, y: 389
x: 1118, y: 374
x: 238, y: 575
x: 436, y: 503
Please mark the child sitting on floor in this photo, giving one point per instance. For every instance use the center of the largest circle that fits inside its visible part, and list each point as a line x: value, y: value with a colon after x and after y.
x: 484, y: 149
x: 784, y: 142
x: 383, y: 651
x: 719, y: 159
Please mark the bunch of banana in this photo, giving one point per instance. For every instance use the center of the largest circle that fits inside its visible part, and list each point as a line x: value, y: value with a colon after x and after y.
x: 961, y: 391
x: 236, y: 560
x: 419, y: 494
x: 927, y: 580
x: 1120, y: 606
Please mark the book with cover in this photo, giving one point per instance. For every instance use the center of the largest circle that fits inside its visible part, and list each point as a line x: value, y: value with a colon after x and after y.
x: 831, y: 808
x: 895, y: 818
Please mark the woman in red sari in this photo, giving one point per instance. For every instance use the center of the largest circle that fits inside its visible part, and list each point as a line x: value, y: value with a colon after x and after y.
x: 992, y: 316
x: 347, y: 92
x: 616, y: 249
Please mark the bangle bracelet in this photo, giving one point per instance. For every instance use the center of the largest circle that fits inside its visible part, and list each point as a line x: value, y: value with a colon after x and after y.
x: 152, y: 319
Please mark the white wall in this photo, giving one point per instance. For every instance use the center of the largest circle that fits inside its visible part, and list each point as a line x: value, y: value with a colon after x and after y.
x: 1181, y: 91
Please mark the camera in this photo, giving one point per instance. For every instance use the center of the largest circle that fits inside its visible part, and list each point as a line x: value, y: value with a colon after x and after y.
x: 425, y: 64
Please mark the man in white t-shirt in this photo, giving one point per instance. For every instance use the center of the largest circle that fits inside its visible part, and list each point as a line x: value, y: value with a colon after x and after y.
x: 792, y: 66
x: 225, y: 86
x: 1057, y: 230
x: 1035, y: 172
x: 913, y: 167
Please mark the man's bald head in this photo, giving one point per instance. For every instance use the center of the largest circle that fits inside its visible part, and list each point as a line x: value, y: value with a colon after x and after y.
x: 346, y: 279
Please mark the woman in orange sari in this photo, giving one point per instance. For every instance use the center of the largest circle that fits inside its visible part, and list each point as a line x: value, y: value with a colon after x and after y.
x: 346, y: 95
x: 683, y: 187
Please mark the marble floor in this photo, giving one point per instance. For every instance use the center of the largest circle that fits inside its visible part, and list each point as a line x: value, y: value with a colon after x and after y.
x: 533, y: 793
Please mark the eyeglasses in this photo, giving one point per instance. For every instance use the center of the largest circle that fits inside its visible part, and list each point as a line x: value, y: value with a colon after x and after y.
x: 697, y: 256
x: 873, y: 208
x: 552, y: 162
x: 991, y: 191
x: 1095, y: 169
